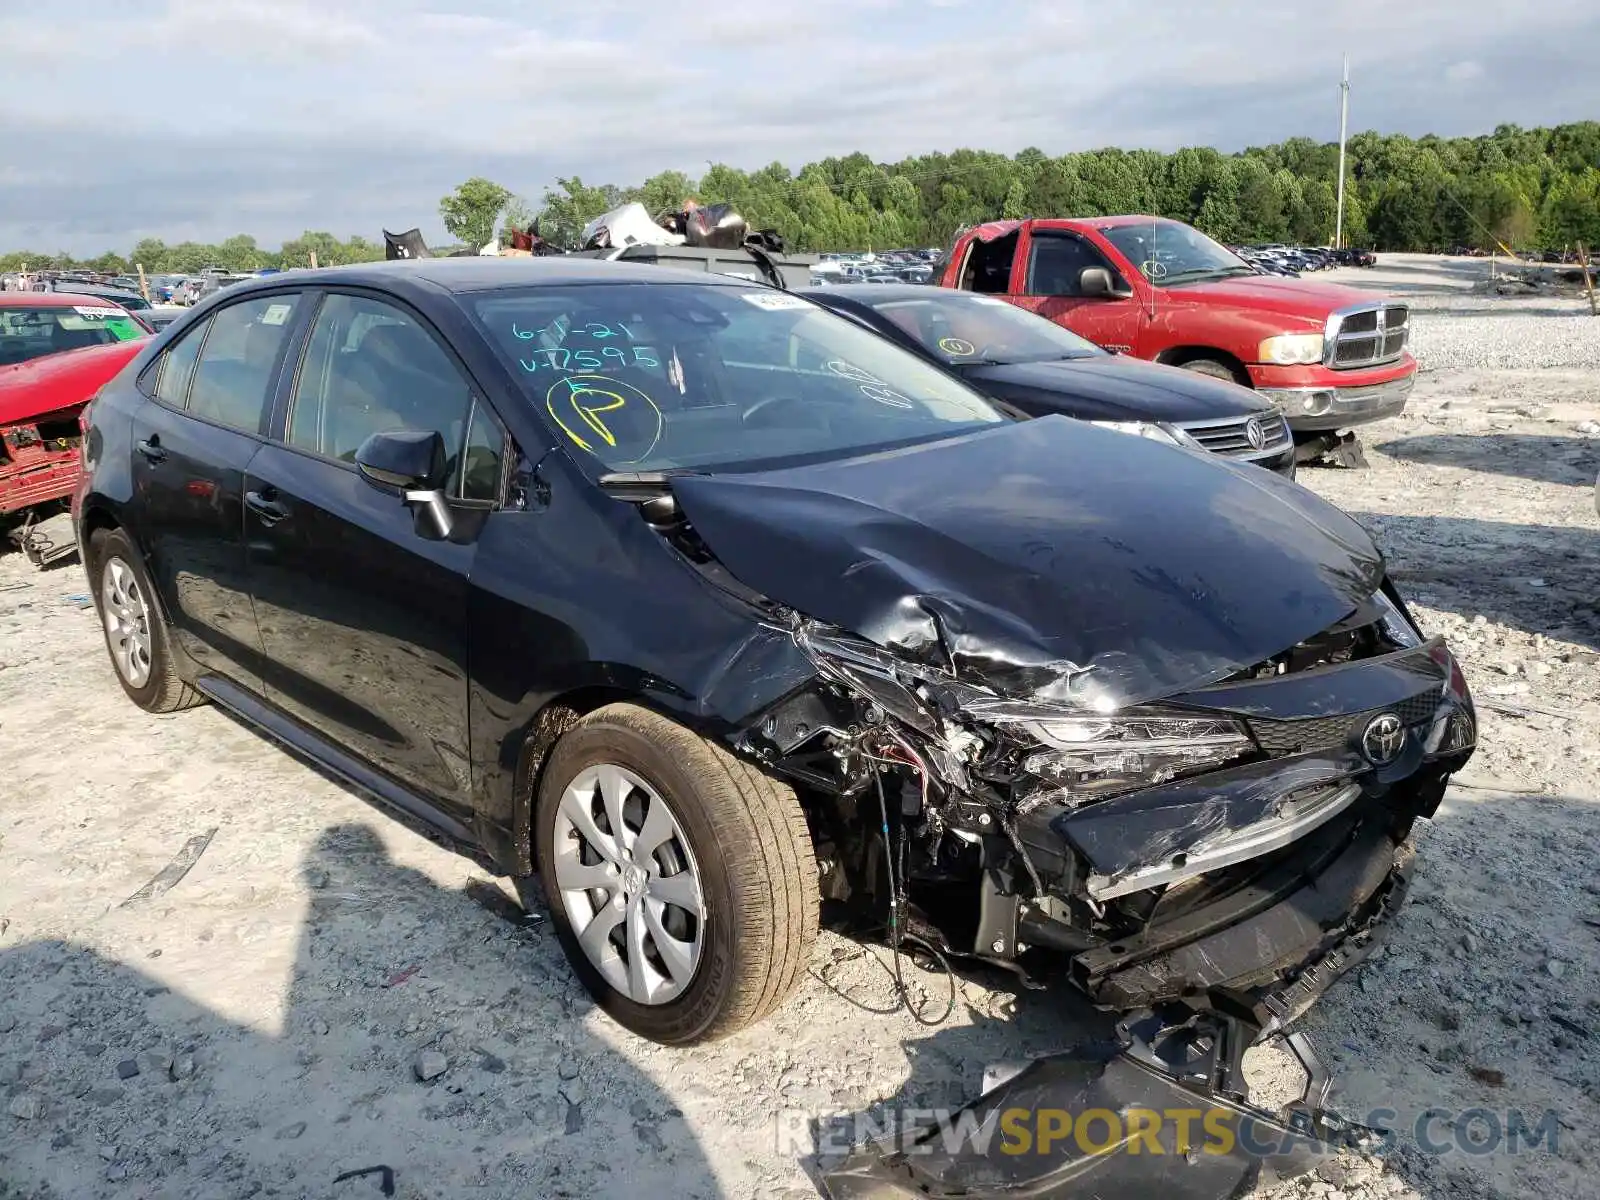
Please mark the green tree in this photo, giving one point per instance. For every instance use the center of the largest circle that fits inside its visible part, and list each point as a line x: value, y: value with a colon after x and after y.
x: 471, y: 212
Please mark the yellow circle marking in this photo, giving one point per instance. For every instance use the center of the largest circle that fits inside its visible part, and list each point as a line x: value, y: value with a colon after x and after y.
x: 957, y: 347
x: 586, y: 399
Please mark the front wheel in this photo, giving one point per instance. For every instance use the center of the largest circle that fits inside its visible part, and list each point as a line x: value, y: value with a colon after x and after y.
x: 682, y: 881
x: 1213, y: 368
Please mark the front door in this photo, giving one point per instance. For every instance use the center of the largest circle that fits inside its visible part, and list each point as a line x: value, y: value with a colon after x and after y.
x: 364, y: 618
x: 193, y: 440
x: 1054, y: 261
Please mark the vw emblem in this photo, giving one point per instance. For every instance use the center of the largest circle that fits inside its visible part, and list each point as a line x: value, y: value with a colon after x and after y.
x: 1254, y: 434
x: 1383, y: 739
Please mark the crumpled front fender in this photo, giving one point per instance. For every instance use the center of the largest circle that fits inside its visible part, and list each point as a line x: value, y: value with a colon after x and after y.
x: 1110, y: 1121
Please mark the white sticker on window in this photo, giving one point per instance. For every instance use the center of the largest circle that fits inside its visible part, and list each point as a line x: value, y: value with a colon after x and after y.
x: 988, y: 300
x: 774, y: 301
x: 97, y: 313
x: 276, y: 314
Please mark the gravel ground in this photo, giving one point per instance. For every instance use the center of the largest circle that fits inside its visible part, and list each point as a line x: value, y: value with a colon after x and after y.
x: 326, y: 990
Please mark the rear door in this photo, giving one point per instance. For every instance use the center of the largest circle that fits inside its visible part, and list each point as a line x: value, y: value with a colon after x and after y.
x: 208, y: 398
x: 363, y: 618
x: 1052, y: 262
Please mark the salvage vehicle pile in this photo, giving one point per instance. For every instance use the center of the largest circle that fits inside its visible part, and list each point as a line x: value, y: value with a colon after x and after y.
x: 1101, y: 713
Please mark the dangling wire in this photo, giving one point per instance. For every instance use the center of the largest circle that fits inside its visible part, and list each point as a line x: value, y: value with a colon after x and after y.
x: 896, y: 934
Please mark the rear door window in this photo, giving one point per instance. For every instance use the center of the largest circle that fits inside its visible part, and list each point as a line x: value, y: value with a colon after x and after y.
x: 239, y: 361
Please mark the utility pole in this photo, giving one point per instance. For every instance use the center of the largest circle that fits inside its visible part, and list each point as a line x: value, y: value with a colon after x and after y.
x: 1344, y: 121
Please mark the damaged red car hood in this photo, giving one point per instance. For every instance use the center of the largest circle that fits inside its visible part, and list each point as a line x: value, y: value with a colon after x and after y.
x: 1045, y: 558
x: 64, y: 380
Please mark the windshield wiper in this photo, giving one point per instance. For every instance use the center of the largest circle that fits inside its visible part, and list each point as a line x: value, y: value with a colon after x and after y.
x: 1206, y: 273
x: 640, y: 485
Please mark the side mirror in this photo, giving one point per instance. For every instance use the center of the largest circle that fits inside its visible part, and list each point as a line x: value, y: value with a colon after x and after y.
x: 414, y: 462
x: 408, y: 460
x: 1097, y: 281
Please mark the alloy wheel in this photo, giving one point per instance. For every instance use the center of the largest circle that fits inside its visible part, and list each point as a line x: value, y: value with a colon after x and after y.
x: 127, y: 621
x: 629, y: 884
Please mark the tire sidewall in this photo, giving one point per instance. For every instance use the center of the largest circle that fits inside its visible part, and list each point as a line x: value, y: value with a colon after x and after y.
x: 104, y: 546
x: 686, y: 1017
x: 1212, y: 368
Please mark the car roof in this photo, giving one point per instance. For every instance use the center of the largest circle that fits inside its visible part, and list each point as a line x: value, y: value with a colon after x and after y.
x: 868, y: 293
x: 47, y: 299
x: 481, y: 273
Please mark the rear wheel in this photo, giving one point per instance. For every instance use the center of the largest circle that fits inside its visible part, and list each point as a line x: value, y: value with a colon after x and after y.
x: 137, y: 637
x: 681, y: 881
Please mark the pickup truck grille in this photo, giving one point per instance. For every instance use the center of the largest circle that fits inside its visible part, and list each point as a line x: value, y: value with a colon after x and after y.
x: 1369, y: 336
x: 1232, y: 437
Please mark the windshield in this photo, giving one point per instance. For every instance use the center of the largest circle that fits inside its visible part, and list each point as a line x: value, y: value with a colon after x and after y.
x: 660, y: 377
x: 960, y: 328
x: 29, y: 333
x: 1171, y: 252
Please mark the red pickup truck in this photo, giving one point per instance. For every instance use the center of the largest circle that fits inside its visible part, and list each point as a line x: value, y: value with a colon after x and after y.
x: 1330, y: 357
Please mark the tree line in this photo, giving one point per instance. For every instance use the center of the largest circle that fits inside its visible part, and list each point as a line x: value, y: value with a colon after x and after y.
x: 1528, y: 189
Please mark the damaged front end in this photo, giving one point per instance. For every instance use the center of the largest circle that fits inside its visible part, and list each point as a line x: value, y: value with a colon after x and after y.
x: 1205, y: 866
x: 1243, y: 838
x: 1119, y: 713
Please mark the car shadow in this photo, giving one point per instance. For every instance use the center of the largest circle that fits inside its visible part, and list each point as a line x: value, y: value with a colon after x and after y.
x: 1442, y: 561
x: 114, y: 1083
x: 1538, y: 457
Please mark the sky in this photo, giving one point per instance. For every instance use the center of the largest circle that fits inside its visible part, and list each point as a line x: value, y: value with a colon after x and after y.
x: 199, y: 119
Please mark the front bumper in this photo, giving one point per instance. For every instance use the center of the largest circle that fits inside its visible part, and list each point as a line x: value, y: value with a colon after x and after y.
x: 1162, y: 1111
x: 1319, y: 409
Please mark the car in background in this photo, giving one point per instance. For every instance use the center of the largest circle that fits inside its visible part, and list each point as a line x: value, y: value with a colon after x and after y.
x: 1038, y: 367
x: 1330, y: 357
x: 159, y: 316
x: 41, y: 405
x: 132, y: 301
x: 36, y: 324
x: 56, y: 350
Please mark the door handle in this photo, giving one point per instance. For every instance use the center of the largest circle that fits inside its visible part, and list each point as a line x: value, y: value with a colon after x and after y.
x: 150, y: 447
x: 266, y: 506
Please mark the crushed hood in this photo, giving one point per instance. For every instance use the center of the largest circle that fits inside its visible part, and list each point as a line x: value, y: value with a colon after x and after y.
x: 1045, y: 558
x: 65, y: 379
x: 1114, y: 387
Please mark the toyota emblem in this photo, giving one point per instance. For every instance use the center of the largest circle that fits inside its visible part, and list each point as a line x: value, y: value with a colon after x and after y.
x: 1254, y: 434
x: 1383, y: 739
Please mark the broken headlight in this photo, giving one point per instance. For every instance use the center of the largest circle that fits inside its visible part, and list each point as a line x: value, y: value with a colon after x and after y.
x: 1090, y: 757
x: 1397, y: 627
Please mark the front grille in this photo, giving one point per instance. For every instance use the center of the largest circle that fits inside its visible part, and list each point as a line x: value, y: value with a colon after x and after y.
x: 1232, y: 435
x: 1278, y: 738
x: 1369, y: 336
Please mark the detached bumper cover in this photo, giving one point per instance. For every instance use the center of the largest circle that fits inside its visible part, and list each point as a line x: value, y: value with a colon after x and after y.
x: 1135, y: 1119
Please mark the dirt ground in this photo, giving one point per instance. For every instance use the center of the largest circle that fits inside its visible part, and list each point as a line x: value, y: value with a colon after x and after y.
x: 258, y: 1028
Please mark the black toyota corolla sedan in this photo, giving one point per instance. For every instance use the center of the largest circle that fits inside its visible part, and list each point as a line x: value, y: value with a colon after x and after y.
x: 692, y: 605
x: 1034, y: 365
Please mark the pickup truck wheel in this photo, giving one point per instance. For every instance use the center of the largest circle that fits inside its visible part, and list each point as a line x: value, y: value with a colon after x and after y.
x: 137, y: 637
x: 681, y: 881
x: 1213, y: 368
